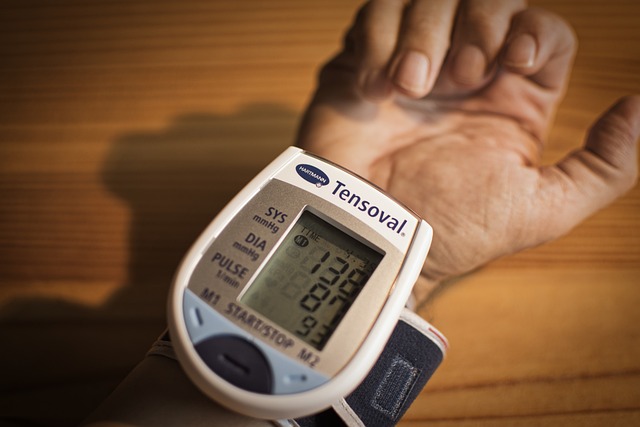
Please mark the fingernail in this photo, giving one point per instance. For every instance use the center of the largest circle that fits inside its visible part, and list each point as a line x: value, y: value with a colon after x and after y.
x: 469, y: 66
x: 376, y: 85
x: 521, y: 52
x: 412, y: 72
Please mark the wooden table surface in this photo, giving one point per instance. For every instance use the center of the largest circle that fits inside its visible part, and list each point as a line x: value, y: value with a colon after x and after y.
x: 126, y: 125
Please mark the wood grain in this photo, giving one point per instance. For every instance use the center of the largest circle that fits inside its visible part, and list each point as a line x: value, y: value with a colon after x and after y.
x: 125, y: 126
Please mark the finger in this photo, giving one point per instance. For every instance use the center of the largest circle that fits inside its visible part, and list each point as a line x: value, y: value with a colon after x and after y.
x: 424, y: 40
x: 375, y: 35
x: 540, y: 45
x: 479, y: 34
x: 591, y: 178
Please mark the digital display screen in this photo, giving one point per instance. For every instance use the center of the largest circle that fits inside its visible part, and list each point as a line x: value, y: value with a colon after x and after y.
x: 312, y: 279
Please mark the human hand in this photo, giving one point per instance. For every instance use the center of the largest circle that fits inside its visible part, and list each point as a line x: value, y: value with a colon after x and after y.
x: 446, y: 106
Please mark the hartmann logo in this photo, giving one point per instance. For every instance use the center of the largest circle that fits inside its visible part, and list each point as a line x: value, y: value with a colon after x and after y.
x: 313, y: 175
x: 365, y: 206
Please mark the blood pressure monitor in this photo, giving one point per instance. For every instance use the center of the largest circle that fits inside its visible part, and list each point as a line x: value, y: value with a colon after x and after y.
x: 288, y: 301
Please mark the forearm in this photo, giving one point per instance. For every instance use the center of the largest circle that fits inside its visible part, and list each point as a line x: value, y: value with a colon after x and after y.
x: 157, y: 393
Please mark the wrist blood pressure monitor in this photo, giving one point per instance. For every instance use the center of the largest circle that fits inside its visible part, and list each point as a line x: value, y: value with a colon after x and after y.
x: 292, y: 300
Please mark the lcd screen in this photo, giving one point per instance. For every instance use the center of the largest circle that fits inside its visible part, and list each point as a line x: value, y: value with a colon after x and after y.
x: 312, y: 279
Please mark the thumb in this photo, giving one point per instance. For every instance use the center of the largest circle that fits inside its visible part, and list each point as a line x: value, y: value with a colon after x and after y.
x: 606, y: 167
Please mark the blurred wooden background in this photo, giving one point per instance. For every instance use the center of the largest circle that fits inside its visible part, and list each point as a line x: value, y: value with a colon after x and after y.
x: 126, y: 125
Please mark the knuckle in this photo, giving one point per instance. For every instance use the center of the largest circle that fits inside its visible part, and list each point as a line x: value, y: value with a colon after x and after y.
x: 545, y: 21
x: 374, y: 26
x: 478, y: 22
x: 376, y: 45
x: 624, y: 180
x: 565, y: 31
x: 631, y: 180
x: 555, y: 38
x: 617, y: 151
x: 485, y: 22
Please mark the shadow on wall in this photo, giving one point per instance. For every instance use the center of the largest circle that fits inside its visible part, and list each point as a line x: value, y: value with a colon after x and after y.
x: 174, y: 183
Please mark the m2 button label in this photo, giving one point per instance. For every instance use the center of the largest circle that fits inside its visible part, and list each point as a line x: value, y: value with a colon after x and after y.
x: 313, y: 175
x: 308, y: 357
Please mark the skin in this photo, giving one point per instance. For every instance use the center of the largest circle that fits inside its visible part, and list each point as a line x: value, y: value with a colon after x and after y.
x: 446, y: 106
x: 450, y: 116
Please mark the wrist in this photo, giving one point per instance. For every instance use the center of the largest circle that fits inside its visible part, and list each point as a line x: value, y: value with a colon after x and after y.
x: 423, y: 289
